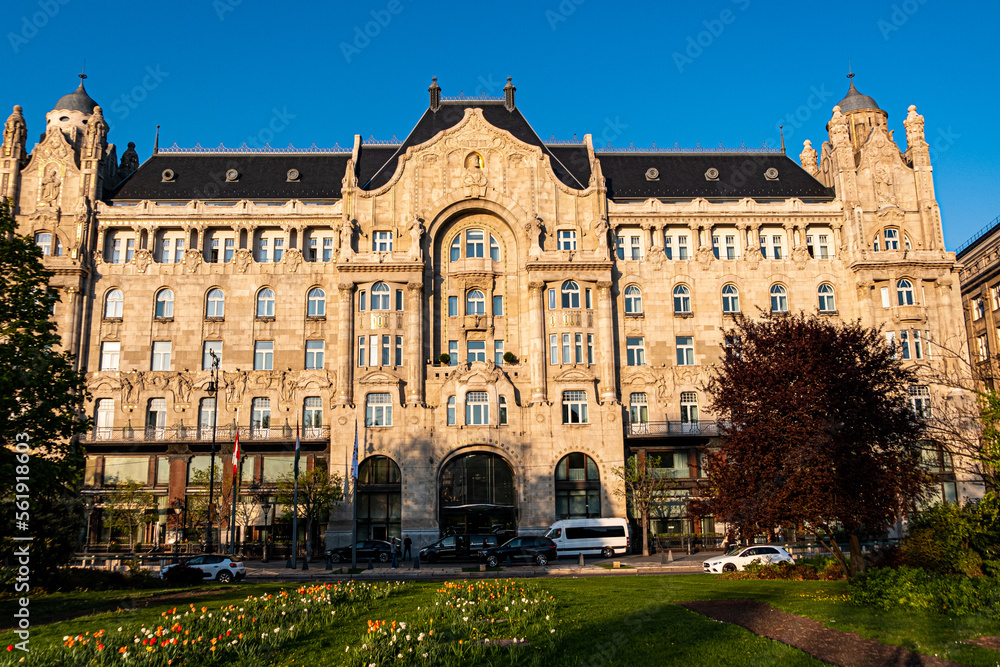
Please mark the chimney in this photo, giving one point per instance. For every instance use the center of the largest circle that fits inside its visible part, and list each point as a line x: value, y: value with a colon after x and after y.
x: 508, y: 95
x: 435, y: 91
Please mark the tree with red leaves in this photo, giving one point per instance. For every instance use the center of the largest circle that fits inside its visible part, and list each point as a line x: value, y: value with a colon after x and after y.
x: 816, y: 429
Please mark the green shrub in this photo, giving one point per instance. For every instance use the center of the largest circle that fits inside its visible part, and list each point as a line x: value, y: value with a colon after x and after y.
x: 885, y: 588
x: 444, y: 359
x: 92, y: 579
x: 952, y: 539
x: 789, y: 571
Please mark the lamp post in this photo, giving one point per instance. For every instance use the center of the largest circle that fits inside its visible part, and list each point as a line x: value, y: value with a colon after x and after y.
x: 265, y: 505
x: 178, y: 508
x: 213, y: 387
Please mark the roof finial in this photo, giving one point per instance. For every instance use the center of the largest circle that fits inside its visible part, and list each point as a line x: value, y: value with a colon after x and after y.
x: 83, y: 72
x: 156, y: 142
x: 435, y: 91
x: 508, y: 95
x: 781, y: 129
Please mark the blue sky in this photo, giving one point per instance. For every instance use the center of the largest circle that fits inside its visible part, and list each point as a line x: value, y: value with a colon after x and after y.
x: 726, y: 71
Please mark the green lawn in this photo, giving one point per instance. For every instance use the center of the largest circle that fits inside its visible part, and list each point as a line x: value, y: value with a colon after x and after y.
x: 622, y: 620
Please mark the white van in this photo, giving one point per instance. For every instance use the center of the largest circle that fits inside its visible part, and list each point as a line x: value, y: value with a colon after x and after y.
x: 607, y: 537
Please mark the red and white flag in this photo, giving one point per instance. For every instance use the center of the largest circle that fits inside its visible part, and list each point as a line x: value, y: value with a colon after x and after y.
x: 236, y: 455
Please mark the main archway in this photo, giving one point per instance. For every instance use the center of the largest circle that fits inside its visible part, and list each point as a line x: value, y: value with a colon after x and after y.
x: 477, y: 495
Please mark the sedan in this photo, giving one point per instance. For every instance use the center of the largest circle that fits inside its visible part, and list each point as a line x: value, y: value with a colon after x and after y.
x: 739, y: 558
x: 538, y: 550
x: 380, y: 550
x: 218, y: 568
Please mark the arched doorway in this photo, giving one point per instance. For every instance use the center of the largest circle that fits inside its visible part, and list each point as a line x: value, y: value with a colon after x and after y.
x: 379, y: 499
x: 578, y: 487
x: 477, y: 495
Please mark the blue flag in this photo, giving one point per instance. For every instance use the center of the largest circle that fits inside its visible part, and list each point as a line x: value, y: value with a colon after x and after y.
x: 354, y: 461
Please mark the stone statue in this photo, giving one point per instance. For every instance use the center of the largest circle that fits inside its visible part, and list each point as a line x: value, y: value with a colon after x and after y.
x: 475, y: 177
x: 533, y: 228
x: 50, y: 185
x: 883, y: 184
x: 130, y: 161
x: 601, y: 228
x: 416, y: 235
x: 808, y: 158
x: 346, y: 235
x: 182, y: 387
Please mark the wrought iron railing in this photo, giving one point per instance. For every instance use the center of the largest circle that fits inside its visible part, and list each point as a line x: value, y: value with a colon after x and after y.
x: 198, y: 434
x: 671, y: 428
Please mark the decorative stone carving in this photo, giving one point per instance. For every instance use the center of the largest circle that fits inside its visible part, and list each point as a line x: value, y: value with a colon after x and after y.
x: 129, y: 162
x: 182, y: 387
x: 416, y: 231
x: 192, y: 259
x: 533, y: 228
x: 242, y: 259
x: 49, y: 185
x: 808, y: 158
x: 292, y: 259
x: 346, y: 236
x: 601, y: 228
x: 882, y: 174
x: 15, y: 135
x: 236, y: 385
x: 142, y: 259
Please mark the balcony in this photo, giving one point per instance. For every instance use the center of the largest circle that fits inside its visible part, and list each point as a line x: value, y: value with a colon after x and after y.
x: 668, y: 429
x: 196, y: 434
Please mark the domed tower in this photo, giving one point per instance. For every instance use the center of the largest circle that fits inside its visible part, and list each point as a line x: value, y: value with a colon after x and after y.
x: 863, y: 114
x: 72, y: 113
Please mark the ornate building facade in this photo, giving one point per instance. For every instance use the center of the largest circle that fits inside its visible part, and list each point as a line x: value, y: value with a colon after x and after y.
x: 502, y: 319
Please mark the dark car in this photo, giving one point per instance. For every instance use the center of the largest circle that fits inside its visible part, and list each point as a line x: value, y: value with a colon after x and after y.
x: 538, y: 550
x: 380, y: 550
x: 457, y: 547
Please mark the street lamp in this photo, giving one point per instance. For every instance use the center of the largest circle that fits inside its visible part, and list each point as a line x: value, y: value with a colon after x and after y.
x: 265, y: 505
x: 213, y: 388
x: 178, y: 508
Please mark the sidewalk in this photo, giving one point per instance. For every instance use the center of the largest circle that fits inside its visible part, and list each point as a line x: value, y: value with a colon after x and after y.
x: 564, y: 567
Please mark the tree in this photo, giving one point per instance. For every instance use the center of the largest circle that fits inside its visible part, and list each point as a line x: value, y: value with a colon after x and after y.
x: 246, y: 508
x: 197, y: 510
x: 41, y: 404
x: 816, y: 429
x: 644, y: 487
x: 319, y: 492
x: 127, y: 509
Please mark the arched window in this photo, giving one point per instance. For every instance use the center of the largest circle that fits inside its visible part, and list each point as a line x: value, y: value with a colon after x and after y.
x: 779, y: 299
x: 114, y: 303
x: 891, y: 237
x: 827, y: 304
x: 494, y: 249
x: 456, y: 248
x: 578, y: 487
x: 265, y: 302
x: 477, y: 494
x: 904, y: 292
x: 44, y: 241
x: 380, y: 296
x: 379, y: 496
x: 682, y: 299
x: 475, y: 303
x: 477, y: 408
x: 165, y: 303
x: 215, y: 305
x: 633, y: 299
x: 730, y: 299
x: 316, y: 303
x: 570, y: 294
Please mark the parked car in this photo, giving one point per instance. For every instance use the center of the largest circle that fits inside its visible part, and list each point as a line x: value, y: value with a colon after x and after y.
x: 607, y: 537
x: 380, y: 550
x: 739, y: 558
x: 214, y: 568
x: 538, y: 550
x: 458, y: 547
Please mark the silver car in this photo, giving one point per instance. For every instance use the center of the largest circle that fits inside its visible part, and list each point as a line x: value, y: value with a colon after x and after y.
x: 739, y: 558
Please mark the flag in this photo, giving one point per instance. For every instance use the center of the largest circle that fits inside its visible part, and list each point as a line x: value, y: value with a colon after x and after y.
x: 236, y: 456
x: 354, y: 461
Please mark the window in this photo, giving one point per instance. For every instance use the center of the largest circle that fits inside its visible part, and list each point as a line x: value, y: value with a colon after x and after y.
x: 262, y: 250
x: 477, y: 408
x: 312, y: 417
x: 44, y: 241
x: 453, y: 352
x: 730, y: 246
x: 827, y: 304
x: 715, y: 246
x: 115, y: 251
x: 316, y: 303
x: 263, y: 355
x: 689, y: 410
x: 776, y: 247
x: 399, y: 350
x: 820, y: 250
x: 904, y: 344
x: 362, y: 301
x: 215, y: 304
x: 978, y: 308
x: 891, y: 239
x: 161, y: 356
x: 920, y: 400
x: 385, y: 350
x: 566, y: 239
x: 635, y: 351
x: 918, y: 348
x: 165, y: 303
x: 208, y: 347
x: 378, y: 410
x: 995, y: 296
x: 474, y: 246
x: 682, y: 299
x: 633, y: 300
x: 456, y: 248
x: 494, y: 249
x: 730, y: 299
x: 104, y: 418
x: 570, y: 294
x: 682, y: 247
x: 380, y: 296
x: 574, y: 407
x: 567, y: 351
x: 553, y: 349
x: 578, y: 346
x: 620, y: 247
x: 314, y: 355
x: 230, y: 250
x: 668, y: 246
x: 260, y: 418
x: 497, y: 306
x: 589, y: 298
x: 503, y: 411
x: 498, y: 352
x: 779, y: 299
x: 451, y: 411
x: 685, y: 350
x: 156, y: 418
x: 452, y: 306
x: 476, y: 350
x: 636, y: 247
x: 382, y: 241
x: 110, y: 352
x: 904, y: 292
x: 983, y: 346
x: 578, y: 494
x: 399, y: 300
x: 638, y: 412
x: 265, y: 302
x: 279, y: 249
x: 129, y: 249
x: 590, y: 348
x: 114, y: 304
x: 475, y: 303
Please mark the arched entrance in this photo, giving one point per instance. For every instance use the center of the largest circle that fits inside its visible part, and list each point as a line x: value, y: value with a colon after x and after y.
x: 477, y: 495
x: 379, y: 495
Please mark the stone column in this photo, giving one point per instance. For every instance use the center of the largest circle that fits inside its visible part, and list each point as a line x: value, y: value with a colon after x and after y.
x: 658, y: 236
x: 70, y: 342
x: 345, y: 346
x: 414, y: 349
x: 537, y: 352
x: 837, y: 226
x: 741, y: 232
x: 605, y: 343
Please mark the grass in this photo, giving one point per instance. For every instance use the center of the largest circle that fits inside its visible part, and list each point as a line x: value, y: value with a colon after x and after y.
x: 598, y: 621
x: 476, y: 569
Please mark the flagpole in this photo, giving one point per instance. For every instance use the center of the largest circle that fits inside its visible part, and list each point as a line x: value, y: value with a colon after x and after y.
x: 295, y: 500
x: 236, y: 462
x: 354, y: 498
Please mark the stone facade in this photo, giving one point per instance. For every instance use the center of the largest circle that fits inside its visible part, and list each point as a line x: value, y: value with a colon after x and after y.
x: 347, y: 275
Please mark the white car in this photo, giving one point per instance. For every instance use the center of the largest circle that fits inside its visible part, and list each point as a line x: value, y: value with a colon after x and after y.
x: 214, y: 568
x: 739, y: 558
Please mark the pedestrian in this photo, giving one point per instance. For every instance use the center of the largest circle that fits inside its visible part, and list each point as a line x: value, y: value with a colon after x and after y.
x: 407, y: 543
x: 395, y: 557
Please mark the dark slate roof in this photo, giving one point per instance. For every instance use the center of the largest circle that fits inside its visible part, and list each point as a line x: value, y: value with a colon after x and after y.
x: 682, y: 176
x: 372, y: 176
x: 855, y: 100
x: 262, y: 176
x: 78, y: 100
